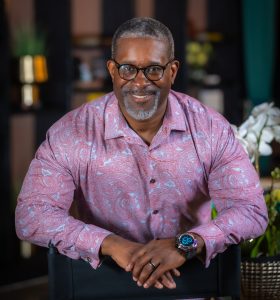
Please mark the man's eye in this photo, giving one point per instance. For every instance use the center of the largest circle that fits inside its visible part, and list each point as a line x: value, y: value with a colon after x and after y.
x: 128, y: 68
x: 154, y: 69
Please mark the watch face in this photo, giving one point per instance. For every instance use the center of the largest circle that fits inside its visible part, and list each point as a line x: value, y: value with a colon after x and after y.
x: 186, y: 240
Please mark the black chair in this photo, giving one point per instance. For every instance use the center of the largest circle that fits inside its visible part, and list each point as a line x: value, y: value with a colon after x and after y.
x: 76, y: 280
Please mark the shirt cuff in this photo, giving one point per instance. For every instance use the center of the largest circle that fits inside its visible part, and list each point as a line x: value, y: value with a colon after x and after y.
x: 214, y: 240
x: 89, y: 242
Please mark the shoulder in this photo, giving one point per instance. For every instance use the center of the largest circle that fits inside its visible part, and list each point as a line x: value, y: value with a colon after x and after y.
x: 84, y: 118
x: 75, y: 133
x: 198, y: 113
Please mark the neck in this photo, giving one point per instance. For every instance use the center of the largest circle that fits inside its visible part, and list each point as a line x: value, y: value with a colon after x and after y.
x: 146, y: 129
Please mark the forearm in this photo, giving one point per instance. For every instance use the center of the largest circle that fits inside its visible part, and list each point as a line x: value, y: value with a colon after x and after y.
x: 234, y: 187
x: 109, y: 244
x: 119, y: 249
x: 233, y: 225
x: 42, y: 224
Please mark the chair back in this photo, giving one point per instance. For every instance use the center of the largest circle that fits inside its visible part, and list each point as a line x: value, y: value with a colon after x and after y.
x: 76, y: 280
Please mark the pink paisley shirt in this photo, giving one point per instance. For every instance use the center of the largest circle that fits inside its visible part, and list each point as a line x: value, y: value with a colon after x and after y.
x: 123, y: 186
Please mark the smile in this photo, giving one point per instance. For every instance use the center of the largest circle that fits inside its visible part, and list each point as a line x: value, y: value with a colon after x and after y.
x: 139, y: 97
x: 142, y: 98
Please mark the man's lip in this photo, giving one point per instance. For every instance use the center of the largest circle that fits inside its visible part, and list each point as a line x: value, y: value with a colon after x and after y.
x: 141, y: 98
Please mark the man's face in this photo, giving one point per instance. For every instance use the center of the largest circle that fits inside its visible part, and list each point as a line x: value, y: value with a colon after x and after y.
x: 140, y: 98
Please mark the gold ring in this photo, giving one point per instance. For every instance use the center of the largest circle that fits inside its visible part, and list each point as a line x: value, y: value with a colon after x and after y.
x: 152, y: 265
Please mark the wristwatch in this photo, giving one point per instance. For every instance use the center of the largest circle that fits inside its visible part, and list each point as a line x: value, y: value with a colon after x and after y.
x: 186, y: 244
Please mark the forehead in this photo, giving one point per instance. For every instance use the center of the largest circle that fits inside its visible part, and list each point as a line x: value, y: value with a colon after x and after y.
x: 142, y: 50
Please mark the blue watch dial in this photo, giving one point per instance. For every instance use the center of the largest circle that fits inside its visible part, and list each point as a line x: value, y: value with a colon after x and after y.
x: 186, y: 240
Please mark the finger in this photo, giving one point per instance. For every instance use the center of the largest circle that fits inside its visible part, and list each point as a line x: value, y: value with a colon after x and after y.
x: 176, y: 272
x: 140, y: 264
x: 158, y: 272
x: 145, y: 273
x: 139, y: 253
x: 136, y: 256
x: 167, y: 280
x: 169, y: 277
x: 158, y: 285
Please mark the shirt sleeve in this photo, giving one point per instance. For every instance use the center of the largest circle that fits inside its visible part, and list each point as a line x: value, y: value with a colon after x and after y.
x: 235, y: 189
x: 42, y: 212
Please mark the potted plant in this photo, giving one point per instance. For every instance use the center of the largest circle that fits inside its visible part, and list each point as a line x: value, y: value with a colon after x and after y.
x: 260, y: 268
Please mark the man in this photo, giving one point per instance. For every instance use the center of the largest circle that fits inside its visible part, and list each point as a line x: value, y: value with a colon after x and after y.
x: 143, y: 163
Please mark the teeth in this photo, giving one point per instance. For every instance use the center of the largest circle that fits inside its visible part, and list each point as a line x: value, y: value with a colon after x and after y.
x: 140, y: 97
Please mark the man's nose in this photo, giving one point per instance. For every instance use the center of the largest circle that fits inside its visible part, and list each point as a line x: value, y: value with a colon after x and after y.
x: 141, y: 78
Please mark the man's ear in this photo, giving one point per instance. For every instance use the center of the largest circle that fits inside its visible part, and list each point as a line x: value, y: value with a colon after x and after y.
x: 174, y: 69
x: 111, y: 68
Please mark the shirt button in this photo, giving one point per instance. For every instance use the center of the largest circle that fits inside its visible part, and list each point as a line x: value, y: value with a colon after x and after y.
x: 152, y: 180
x: 155, y: 212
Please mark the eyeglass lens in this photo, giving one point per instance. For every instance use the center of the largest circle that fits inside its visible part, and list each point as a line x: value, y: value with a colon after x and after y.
x: 129, y: 72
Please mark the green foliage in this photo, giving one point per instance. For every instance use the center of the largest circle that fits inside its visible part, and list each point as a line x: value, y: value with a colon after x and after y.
x: 214, y: 212
x: 269, y: 243
x: 29, y: 42
x: 198, y: 53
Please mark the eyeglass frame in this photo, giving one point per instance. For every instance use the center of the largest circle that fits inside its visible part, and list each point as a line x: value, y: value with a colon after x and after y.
x: 142, y: 69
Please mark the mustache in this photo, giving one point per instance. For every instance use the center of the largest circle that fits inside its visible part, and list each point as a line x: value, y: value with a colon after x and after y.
x: 140, y: 91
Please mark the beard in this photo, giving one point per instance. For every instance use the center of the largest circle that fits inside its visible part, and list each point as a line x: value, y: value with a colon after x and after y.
x: 143, y: 108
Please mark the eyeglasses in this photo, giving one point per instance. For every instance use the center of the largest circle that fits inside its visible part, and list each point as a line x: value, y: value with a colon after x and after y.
x: 152, y: 72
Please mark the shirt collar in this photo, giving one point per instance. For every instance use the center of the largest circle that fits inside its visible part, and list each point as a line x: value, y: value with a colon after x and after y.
x: 174, y: 118
x: 116, y: 125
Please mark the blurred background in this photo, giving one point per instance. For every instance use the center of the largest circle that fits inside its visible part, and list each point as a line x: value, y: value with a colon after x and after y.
x: 53, y: 58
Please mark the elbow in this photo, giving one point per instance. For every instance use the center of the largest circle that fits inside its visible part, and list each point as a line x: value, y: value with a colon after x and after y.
x: 23, y: 224
x: 261, y: 220
x: 264, y: 224
x: 264, y: 216
x: 21, y: 230
x: 20, y: 233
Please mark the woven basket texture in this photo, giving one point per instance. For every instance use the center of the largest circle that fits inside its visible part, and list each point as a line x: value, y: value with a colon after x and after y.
x: 260, y: 280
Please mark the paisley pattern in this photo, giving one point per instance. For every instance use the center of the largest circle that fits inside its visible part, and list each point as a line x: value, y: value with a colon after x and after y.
x: 140, y: 192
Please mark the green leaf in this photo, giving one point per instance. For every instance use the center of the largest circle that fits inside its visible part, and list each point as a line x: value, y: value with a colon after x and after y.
x: 256, y: 249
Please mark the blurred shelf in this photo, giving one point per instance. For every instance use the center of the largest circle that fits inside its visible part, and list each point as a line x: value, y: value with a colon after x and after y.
x: 88, y: 86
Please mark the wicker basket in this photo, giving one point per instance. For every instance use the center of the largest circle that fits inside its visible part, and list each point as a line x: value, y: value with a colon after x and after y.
x: 260, y: 278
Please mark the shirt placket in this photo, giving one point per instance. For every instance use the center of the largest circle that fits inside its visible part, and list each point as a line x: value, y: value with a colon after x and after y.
x: 155, y: 209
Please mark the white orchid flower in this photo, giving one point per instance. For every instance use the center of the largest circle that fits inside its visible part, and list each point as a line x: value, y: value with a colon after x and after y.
x: 246, y: 125
x: 263, y: 108
x: 276, y: 131
x: 274, y: 118
x: 267, y: 135
x: 248, y: 146
x: 252, y: 137
x: 259, y: 124
x: 264, y: 149
x: 259, y: 130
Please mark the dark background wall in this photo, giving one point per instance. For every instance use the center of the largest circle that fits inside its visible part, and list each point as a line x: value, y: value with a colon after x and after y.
x: 6, y: 228
x: 174, y: 17
x: 225, y: 17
